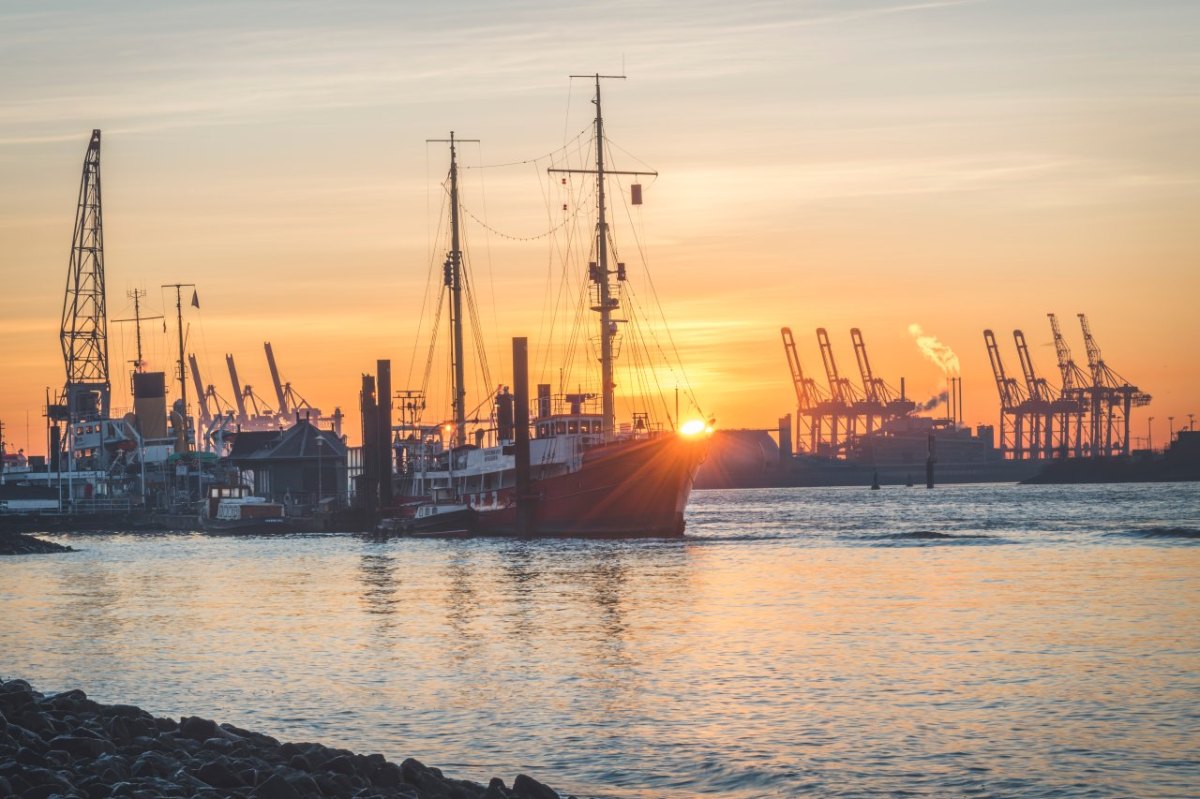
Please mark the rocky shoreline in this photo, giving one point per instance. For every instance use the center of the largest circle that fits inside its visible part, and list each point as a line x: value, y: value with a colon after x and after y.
x: 69, y: 746
x: 13, y: 543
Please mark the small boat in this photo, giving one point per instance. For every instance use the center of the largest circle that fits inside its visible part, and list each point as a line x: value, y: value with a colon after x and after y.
x: 232, y: 510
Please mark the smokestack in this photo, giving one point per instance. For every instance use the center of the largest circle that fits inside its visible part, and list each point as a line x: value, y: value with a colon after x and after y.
x: 150, y: 403
x: 785, y: 438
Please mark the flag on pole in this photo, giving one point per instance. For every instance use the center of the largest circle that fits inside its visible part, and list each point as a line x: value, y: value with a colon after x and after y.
x: 195, y: 299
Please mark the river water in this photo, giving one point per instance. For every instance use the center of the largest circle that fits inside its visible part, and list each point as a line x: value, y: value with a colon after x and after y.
x: 1002, y: 641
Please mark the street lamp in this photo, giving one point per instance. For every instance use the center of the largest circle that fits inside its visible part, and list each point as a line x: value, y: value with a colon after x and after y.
x: 1150, y: 433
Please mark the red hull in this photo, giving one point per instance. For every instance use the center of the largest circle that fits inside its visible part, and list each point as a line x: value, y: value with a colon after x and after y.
x: 625, y: 489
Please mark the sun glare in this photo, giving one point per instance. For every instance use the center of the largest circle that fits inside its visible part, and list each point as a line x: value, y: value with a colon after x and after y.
x: 694, y: 427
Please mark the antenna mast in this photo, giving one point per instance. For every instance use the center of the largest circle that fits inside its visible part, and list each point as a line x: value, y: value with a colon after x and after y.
x: 599, y: 272
x: 182, y: 369
x: 136, y: 295
x: 453, y: 278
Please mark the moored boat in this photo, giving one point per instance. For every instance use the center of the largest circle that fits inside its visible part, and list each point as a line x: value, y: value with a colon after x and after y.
x: 231, y: 510
x: 589, y: 474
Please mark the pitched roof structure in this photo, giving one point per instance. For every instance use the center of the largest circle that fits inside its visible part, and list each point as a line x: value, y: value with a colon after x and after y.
x: 299, y: 442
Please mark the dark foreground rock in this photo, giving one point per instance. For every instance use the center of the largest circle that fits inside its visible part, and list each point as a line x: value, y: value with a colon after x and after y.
x: 65, y: 745
x: 12, y: 543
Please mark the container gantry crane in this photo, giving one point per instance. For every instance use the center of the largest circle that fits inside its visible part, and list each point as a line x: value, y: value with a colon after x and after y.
x: 808, y: 396
x: 1113, y: 397
x: 1011, y: 400
x: 842, y: 399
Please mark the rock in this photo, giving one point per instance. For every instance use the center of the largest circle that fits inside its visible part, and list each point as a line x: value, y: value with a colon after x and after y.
x: 82, y: 746
x: 497, y: 790
x: 198, y: 729
x: 342, y: 764
x: 152, y: 764
x: 79, y: 749
x: 304, y: 784
x: 218, y: 774
x: 526, y: 787
x: 276, y: 787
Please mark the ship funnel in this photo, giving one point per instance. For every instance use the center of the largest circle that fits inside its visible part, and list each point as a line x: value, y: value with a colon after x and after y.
x: 150, y: 403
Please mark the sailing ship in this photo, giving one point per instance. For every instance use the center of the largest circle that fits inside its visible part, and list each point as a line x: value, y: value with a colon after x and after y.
x: 588, y: 474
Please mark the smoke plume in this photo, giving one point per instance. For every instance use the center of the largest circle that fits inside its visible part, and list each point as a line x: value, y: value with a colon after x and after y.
x: 934, y: 401
x: 935, y: 350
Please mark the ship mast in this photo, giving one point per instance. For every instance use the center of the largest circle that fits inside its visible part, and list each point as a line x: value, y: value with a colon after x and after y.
x: 453, y: 278
x: 599, y: 271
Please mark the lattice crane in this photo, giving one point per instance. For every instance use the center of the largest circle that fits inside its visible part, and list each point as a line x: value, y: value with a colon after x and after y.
x: 84, y: 330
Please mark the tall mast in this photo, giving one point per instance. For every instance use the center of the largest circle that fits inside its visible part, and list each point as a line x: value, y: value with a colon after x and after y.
x: 599, y: 271
x: 608, y: 328
x: 453, y: 278
x: 136, y: 295
x: 182, y: 369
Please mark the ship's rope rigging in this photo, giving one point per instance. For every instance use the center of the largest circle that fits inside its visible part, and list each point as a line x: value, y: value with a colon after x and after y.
x: 535, y: 161
x: 481, y: 366
x: 652, y: 357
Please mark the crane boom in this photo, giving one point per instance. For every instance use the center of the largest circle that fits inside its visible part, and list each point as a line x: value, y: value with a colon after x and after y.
x: 1010, y: 395
x: 799, y: 381
x: 238, y: 395
x: 1036, y: 386
x: 831, y: 371
x: 870, y: 388
x: 201, y: 396
x: 280, y: 394
x: 1095, y: 359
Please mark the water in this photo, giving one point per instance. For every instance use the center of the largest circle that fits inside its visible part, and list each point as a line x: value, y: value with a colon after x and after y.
x: 978, y: 641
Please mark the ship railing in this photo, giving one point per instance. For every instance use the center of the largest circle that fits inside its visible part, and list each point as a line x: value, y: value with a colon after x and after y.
x: 102, y: 505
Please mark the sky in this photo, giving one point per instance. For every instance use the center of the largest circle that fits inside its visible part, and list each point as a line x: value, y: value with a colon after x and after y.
x: 954, y: 164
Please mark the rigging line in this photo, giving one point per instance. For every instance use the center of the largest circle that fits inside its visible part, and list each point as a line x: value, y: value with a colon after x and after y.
x: 566, y: 143
x: 560, y: 252
x: 487, y: 245
x: 491, y: 229
x: 547, y: 294
x: 640, y: 246
x: 650, y: 174
x: 412, y: 362
x: 437, y: 322
x: 581, y: 294
x: 476, y: 329
x: 677, y: 373
x: 653, y: 370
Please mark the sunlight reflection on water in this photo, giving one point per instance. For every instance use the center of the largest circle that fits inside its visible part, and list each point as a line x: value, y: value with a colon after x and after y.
x: 1005, y: 641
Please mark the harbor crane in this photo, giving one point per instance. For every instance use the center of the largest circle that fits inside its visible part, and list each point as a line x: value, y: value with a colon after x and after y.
x: 808, y: 395
x: 1011, y: 403
x: 1113, y: 397
x: 1075, y: 389
x: 84, y: 330
x: 842, y: 396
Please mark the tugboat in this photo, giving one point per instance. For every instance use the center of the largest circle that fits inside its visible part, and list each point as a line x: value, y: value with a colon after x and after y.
x: 589, y: 475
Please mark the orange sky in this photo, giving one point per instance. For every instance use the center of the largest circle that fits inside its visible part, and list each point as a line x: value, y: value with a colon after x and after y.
x: 958, y: 165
